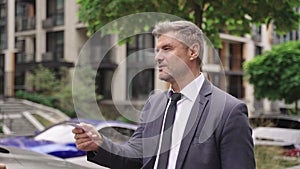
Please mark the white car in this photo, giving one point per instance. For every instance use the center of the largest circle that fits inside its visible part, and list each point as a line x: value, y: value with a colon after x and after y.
x: 16, y: 158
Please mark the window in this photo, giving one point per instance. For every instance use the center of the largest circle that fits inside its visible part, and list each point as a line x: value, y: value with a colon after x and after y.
x: 55, y: 45
x: 3, y: 38
x: 258, y: 50
x: 235, y: 73
x: 235, y: 86
x: 25, y: 15
x: 3, y: 33
x: 55, y: 10
x: 215, y: 78
x: 2, y: 11
x: 140, y: 66
x: 235, y: 57
x: 19, y: 80
x: 105, y: 70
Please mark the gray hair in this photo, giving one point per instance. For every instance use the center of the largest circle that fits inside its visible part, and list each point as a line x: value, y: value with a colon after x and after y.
x: 184, y: 31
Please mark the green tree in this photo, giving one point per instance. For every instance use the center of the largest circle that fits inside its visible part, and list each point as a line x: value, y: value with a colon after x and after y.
x: 42, y: 80
x: 50, y: 88
x: 212, y: 17
x: 276, y: 74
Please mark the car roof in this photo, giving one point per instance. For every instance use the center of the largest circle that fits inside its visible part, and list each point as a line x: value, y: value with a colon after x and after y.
x: 281, y: 121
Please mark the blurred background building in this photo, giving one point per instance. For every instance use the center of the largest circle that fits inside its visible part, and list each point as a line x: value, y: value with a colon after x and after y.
x: 48, y: 32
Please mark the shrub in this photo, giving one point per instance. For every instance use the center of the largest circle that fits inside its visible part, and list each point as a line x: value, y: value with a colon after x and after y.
x: 37, y: 98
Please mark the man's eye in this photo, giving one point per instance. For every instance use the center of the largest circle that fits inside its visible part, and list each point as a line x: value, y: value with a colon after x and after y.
x: 166, y: 48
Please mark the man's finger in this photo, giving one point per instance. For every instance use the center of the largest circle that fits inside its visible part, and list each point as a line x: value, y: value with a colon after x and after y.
x: 87, y: 146
x: 77, y: 130
x: 82, y: 140
x: 83, y: 135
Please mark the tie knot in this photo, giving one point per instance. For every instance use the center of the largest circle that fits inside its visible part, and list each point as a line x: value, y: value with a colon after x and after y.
x: 176, y: 96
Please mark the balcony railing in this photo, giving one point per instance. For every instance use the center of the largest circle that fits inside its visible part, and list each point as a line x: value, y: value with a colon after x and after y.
x: 24, y: 58
x: 256, y: 37
x: 25, y: 23
x: 56, y: 56
x: 3, y: 42
x: 2, y: 21
x: 2, y: 1
x: 54, y: 20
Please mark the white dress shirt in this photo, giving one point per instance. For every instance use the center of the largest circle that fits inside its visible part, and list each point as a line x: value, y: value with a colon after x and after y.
x: 184, y: 107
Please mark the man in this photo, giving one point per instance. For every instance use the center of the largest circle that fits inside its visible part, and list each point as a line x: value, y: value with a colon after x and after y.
x: 209, y: 130
x: 2, y: 166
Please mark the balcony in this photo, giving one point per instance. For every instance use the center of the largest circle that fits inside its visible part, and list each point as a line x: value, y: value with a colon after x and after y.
x: 56, y: 56
x: 20, y: 45
x: 2, y: 22
x: 48, y: 56
x: 256, y: 38
x: 23, y: 57
x: 25, y: 23
x: 48, y: 23
x: 2, y: 2
x: 256, y: 33
x: 55, y: 20
x: 24, y: 1
x: 53, y: 59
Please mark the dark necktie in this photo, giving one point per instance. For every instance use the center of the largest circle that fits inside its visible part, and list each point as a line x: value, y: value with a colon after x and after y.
x: 167, y: 132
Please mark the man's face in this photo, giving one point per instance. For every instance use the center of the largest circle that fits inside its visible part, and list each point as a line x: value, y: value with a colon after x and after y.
x: 172, y: 58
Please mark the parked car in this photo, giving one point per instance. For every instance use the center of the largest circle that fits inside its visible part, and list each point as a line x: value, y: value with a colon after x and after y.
x: 58, y: 140
x: 277, y: 130
x: 281, y: 121
x: 15, y: 158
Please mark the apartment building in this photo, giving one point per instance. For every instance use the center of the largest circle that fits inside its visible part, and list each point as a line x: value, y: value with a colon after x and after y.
x: 48, y: 32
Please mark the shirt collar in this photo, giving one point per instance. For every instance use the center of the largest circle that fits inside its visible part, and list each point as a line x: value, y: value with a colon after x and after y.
x: 191, y: 90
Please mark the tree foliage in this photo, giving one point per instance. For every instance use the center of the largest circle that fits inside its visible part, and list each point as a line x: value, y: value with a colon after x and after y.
x: 212, y: 17
x: 276, y: 74
x: 42, y: 80
x: 50, y: 88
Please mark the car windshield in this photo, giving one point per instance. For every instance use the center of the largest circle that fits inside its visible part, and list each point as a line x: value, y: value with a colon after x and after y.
x: 60, y: 134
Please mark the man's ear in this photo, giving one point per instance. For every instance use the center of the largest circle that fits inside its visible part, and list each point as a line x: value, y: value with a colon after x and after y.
x: 194, y: 51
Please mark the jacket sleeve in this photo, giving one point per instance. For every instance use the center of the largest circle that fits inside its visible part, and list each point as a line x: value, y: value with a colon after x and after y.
x: 117, y: 156
x: 236, y: 143
x: 120, y: 156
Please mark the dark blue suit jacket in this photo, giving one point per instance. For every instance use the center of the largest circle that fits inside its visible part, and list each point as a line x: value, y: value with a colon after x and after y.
x: 217, y: 136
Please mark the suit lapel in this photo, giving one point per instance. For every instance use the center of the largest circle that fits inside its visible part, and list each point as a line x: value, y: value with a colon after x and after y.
x: 193, y: 121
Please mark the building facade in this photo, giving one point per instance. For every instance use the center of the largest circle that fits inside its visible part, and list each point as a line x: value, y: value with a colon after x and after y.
x: 48, y: 32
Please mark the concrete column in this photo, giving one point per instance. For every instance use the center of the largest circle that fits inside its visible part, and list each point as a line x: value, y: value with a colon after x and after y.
x: 40, y: 32
x: 265, y: 38
x: 119, y: 86
x: 248, y: 54
x: 70, y: 35
x: 266, y: 46
x: 9, y: 52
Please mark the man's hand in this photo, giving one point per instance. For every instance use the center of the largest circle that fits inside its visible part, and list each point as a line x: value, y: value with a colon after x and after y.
x: 87, y: 137
x: 2, y: 166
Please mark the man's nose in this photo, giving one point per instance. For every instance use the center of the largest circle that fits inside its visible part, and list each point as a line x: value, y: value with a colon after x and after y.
x: 158, y: 56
